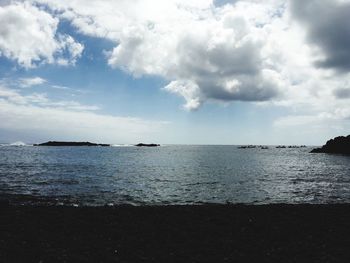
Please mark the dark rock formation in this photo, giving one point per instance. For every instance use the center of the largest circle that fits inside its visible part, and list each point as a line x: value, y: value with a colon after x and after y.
x: 290, y: 146
x: 253, y: 147
x: 55, y: 143
x: 247, y: 147
x: 147, y: 145
x: 337, y: 145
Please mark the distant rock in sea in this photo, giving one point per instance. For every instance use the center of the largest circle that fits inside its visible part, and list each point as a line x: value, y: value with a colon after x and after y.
x: 337, y: 145
x: 147, y: 145
x: 247, y: 147
x: 290, y: 146
x: 55, y: 143
x: 253, y: 147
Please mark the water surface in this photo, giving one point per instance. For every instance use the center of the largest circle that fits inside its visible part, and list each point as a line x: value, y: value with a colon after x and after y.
x: 173, y: 175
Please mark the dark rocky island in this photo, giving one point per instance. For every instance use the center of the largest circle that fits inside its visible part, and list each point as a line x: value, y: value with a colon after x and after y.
x: 147, y: 145
x: 55, y: 143
x: 337, y: 145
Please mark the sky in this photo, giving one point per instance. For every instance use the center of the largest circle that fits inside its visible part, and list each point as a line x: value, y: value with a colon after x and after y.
x: 175, y: 71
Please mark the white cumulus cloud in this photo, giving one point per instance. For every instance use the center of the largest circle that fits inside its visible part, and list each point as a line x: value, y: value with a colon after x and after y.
x: 189, y: 43
x: 29, y: 36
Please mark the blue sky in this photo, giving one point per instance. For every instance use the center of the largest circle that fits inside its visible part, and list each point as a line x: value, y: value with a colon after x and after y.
x: 192, y: 72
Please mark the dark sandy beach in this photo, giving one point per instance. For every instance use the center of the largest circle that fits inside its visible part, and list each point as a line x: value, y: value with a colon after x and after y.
x: 208, y: 233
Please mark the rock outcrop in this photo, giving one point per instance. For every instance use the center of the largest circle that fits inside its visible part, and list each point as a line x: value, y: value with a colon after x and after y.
x: 56, y: 143
x: 147, y: 145
x: 337, y: 145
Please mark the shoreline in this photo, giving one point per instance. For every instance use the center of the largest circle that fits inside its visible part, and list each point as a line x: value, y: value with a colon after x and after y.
x: 188, y: 233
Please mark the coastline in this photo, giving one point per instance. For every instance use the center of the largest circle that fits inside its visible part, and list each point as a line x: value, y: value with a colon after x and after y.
x: 201, y: 233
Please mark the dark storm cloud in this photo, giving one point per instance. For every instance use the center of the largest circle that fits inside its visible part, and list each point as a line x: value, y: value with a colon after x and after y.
x: 251, y: 88
x: 342, y: 93
x: 226, y: 72
x: 328, y: 26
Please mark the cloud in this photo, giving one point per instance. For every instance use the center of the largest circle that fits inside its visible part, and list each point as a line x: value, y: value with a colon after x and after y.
x: 29, y: 82
x: 29, y: 36
x: 328, y: 28
x: 59, y: 87
x: 189, y: 90
x: 42, y: 100
x: 321, y: 119
x: 342, y: 93
x: 217, y: 49
x: 274, y: 52
x: 217, y: 57
x: 69, y: 120
x: 68, y: 45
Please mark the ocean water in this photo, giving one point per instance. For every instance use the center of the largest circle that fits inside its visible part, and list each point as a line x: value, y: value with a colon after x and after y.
x: 172, y: 175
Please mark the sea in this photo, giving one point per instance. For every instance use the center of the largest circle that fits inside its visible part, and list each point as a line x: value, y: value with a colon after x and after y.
x: 171, y: 175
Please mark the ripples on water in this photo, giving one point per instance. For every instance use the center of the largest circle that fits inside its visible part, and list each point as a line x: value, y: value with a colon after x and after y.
x: 173, y: 175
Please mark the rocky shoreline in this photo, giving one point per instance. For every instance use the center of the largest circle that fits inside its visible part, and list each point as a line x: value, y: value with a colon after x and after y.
x: 339, y: 145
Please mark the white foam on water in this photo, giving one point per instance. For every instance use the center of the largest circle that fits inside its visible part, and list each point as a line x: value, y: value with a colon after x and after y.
x: 18, y: 143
